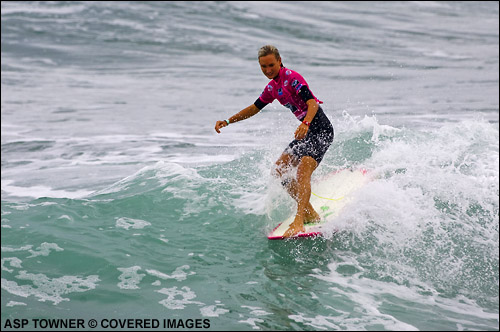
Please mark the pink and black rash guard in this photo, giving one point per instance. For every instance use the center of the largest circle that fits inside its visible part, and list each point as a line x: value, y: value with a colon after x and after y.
x: 291, y: 90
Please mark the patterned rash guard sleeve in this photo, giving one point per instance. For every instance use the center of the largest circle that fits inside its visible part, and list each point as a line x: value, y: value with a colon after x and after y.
x: 305, y: 93
x: 266, y: 96
x: 291, y: 90
x: 260, y: 104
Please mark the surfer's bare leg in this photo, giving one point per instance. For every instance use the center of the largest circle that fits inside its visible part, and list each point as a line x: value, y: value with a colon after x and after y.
x: 283, y: 169
x: 305, y: 169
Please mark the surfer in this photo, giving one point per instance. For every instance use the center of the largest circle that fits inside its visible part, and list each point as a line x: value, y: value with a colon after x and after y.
x: 312, y: 137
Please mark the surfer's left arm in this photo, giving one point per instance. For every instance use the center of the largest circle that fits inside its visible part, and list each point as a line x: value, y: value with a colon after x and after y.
x: 312, y: 109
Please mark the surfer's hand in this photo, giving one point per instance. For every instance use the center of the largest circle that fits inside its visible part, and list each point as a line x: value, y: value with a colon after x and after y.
x: 219, y: 125
x: 301, y: 131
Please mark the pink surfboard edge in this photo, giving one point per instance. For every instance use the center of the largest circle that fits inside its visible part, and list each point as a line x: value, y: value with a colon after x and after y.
x: 300, y: 235
x: 310, y: 234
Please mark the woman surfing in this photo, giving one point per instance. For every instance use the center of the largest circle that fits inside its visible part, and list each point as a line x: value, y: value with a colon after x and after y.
x: 313, y: 136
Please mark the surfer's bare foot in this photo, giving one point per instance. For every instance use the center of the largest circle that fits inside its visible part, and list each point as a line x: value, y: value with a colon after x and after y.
x: 296, y: 227
x: 311, y: 215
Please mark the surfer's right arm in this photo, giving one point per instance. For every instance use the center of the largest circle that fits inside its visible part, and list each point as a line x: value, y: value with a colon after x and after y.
x: 241, y: 115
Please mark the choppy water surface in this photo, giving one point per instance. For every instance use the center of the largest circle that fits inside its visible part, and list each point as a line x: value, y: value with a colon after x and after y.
x: 120, y: 201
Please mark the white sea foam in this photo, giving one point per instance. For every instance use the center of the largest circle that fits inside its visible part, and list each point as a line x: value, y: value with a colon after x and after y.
x: 11, y: 249
x: 213, y: 311
x: 40, y: 191
x: 365, y: 294
x: 256, y: 311
x: 252, y: 322
x: 130, y: 278
x: 14, y: 303
x: 179, y: 274
x: 178, y: 299
x: 13, y: 262
x: 86, y: 115
x: 49, y: 289
x: 131, y: 223
x: 44, y: 249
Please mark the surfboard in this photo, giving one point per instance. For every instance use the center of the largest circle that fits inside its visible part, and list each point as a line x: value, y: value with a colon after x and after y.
x: 329, y: 195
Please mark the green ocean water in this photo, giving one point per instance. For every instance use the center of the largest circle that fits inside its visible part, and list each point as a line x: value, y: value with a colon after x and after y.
x: 119, y: 201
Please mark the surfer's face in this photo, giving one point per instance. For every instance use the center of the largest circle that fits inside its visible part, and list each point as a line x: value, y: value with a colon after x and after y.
x: 270, y: 66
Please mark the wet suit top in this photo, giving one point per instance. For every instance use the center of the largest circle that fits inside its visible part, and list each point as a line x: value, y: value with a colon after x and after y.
x: 292, y: 91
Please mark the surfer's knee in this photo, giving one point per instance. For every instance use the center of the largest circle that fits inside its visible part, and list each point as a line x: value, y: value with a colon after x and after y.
x: 276, y: 171
x: 279, y: 169
x: 284, y: 165
x: 285, y: 182
x: 282, y: 172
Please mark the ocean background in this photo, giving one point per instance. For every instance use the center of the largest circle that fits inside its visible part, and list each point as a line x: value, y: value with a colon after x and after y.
x: 119, y: 200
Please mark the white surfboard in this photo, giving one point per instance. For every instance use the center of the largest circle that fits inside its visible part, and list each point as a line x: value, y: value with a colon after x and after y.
x: 329, y: 195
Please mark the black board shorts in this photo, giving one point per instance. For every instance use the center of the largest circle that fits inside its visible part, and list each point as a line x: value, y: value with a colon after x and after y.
x: 317, y: 141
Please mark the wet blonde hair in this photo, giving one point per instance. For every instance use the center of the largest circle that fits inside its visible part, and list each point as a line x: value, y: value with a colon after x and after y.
x: 269, y: 49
